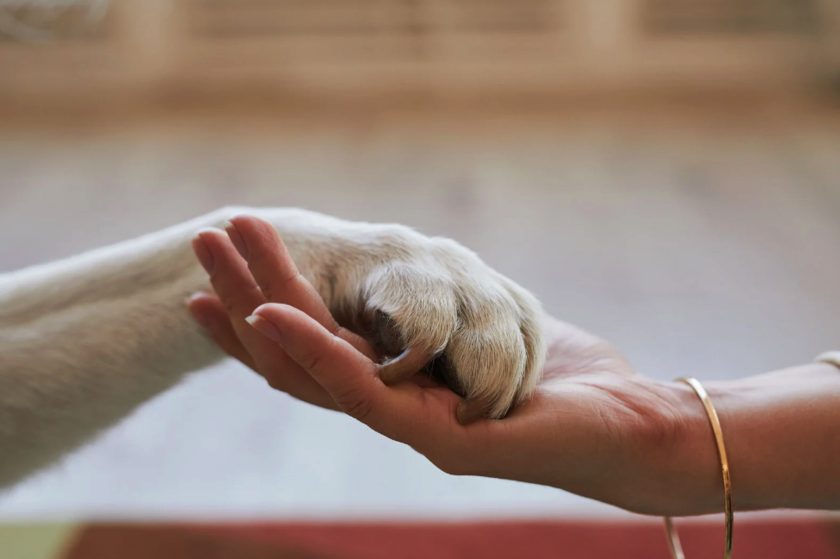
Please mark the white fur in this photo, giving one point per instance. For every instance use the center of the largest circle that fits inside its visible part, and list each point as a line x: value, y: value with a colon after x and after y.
x: 86, y: 340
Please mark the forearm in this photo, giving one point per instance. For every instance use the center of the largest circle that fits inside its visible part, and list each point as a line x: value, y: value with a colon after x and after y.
x: 782, y: 435
x: 86, y: 340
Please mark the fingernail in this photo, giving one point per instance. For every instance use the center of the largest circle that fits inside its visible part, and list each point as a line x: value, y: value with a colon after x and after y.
x: 197, y: 316
x: 200, y: 319
x: 266, y: 328
x: 237, y: 240
x: 194, y: 296
x: 472, y: 410
x: 205, y: 257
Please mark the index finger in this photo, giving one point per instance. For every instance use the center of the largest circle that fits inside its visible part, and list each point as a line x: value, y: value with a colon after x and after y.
x: 274, y: 270
x: 407, y: 413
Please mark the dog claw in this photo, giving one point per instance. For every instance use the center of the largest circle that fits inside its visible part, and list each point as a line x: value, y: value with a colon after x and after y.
x: 406, y: 365
x: 471, y: 410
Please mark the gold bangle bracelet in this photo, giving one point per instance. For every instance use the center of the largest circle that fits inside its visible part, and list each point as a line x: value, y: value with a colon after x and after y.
x: 830, y: 357
x: 673, y: 538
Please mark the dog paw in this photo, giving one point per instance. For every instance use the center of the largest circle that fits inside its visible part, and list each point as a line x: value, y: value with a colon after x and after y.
x: 429, y: 304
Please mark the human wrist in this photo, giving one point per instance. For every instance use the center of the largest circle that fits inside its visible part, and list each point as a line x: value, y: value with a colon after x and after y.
x: 745, y: 408
x: 671, y: 467
x: 780, y: 431
x: 682, y: 457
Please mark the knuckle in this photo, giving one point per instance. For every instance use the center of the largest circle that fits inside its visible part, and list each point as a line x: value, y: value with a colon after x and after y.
x: 312, y: 361
x: 356, y: 405
x: 230, y: 304
x: 239, y: 299
x: 273, y: 288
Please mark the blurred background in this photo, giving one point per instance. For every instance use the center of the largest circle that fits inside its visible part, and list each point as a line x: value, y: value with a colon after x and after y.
x: 665, y: 173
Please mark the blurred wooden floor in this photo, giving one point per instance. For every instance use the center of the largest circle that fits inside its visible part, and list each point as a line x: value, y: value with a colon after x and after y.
x: 705, y: 243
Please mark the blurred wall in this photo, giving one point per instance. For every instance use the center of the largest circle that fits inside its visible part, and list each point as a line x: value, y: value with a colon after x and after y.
x: 700, y: 240
x: 144, y: 48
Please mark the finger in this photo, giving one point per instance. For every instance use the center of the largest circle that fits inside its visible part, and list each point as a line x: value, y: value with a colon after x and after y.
x: 239, y: 294
x: 275, y: 272
x: 210, y: 313
x: 350, y: 377
x: 272, y: 267
x: 229, y: 274
x: 421, y: 418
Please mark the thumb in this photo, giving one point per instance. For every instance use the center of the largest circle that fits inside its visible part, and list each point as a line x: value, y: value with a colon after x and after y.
x: 351, y: 378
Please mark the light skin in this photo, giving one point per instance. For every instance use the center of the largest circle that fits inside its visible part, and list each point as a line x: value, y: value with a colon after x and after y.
x: 594, y: 427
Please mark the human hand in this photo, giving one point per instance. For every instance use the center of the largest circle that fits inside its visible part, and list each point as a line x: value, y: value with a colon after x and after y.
x: 423, y: 303
x: 594, y: 427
